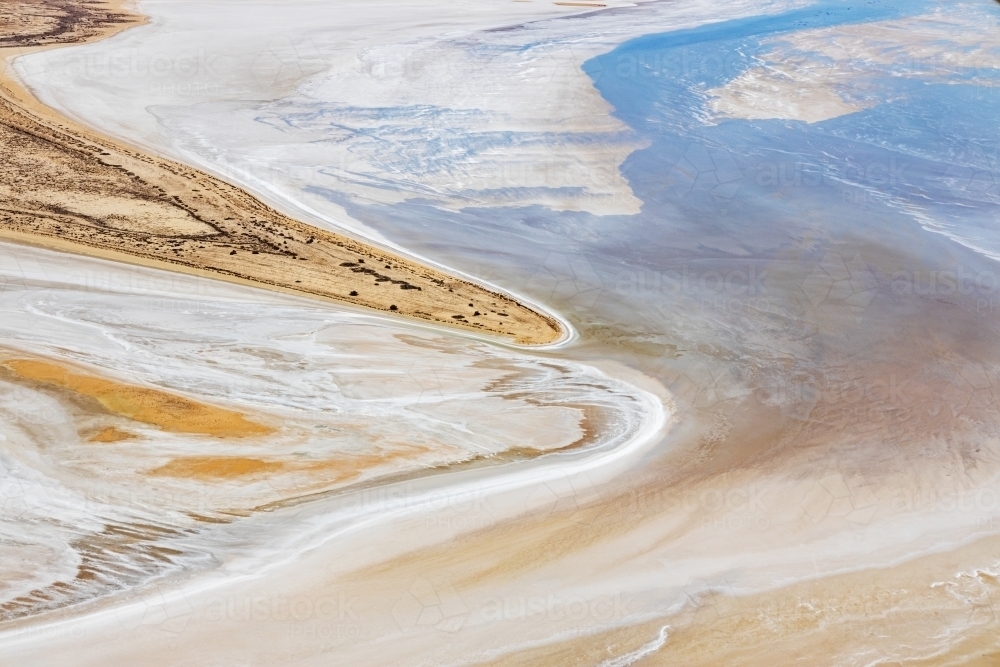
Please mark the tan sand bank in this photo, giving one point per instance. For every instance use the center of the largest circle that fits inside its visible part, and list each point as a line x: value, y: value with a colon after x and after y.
x: 68, y: 188
x: 169, y: 412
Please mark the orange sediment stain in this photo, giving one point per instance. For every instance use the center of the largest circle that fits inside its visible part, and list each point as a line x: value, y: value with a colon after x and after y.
x: 110, y: 434
x: 170, y: 412
x: 334, y: 470
x: 234, y: 467
x: 217, y: 467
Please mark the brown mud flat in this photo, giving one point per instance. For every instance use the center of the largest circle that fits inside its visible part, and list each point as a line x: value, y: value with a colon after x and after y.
x: 68, y: 188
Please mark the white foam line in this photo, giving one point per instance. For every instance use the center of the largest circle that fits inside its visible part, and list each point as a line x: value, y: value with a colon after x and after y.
x: 657, y: 419
x: 268, y: 193
x: 640, y: 653
x: 347, y: 309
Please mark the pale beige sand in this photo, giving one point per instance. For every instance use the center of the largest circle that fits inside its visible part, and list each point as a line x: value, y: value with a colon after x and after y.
x: 815, y: 75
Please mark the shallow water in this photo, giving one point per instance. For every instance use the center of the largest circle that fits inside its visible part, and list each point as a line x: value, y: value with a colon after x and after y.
x: 818, y: 297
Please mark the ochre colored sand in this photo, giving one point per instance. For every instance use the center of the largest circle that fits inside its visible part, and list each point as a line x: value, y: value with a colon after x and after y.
x: 110, y: 434
x: 167, y: 411
x: 217, y: 467
x: 336, y: 469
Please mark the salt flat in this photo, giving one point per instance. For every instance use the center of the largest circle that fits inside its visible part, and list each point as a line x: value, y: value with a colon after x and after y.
x: 338, y: 417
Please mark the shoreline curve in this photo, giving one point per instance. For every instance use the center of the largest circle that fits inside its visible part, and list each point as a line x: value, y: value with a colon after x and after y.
x: 72, y: 189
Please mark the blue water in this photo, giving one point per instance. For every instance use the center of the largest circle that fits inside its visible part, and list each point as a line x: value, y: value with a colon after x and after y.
x: 930, y: 147
x: 713, y: 283
x: 655, y: 79
x: 934, y: 146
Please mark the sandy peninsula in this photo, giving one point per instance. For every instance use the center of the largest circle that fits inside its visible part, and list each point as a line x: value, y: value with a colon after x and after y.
x: 68, y: 188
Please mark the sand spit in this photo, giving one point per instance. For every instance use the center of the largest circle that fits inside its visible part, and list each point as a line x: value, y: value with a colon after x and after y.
x: 67, y: 188
x: 33, y: 23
